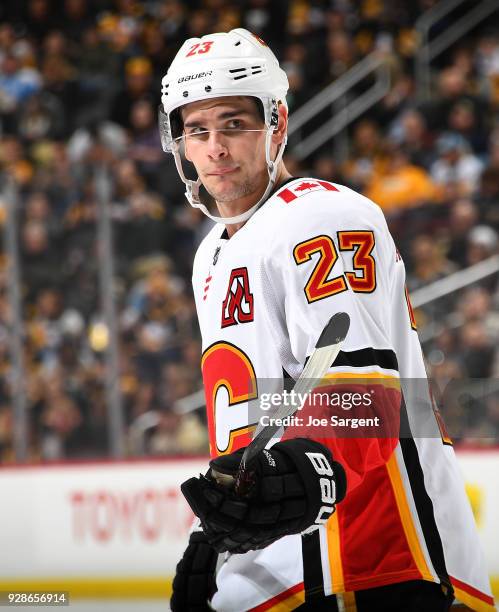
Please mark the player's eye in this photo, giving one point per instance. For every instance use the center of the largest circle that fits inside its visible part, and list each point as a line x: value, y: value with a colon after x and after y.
x: 196, y: 130
x: 234, y: 124
x: 200, y: 133
x: 197, y: 133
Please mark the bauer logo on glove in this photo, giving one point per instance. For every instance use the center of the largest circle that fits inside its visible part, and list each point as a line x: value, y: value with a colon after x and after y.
x: 295, y: 487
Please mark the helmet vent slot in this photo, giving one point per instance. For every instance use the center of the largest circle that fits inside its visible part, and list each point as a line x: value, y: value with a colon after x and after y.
x: 245, y: 72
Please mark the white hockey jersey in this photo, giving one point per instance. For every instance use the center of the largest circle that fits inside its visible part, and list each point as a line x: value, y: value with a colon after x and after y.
x: 263, y: 297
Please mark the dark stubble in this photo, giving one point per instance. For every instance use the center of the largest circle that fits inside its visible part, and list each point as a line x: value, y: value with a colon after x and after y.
x: 249, y: 185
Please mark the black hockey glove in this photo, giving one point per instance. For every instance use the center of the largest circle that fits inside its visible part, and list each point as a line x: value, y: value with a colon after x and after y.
x: 194, y: 582
x: 297, y: 485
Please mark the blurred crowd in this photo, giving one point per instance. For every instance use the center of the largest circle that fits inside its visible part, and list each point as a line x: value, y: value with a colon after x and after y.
x: 79, y: 90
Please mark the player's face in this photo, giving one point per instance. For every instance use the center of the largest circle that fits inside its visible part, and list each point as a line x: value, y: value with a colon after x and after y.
x: 225, y: 140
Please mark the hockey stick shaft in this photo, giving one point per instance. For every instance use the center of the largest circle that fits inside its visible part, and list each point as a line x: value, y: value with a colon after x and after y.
x: 326, y: 350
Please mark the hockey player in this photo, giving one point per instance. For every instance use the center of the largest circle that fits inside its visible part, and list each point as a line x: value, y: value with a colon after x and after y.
x: 287, y: 253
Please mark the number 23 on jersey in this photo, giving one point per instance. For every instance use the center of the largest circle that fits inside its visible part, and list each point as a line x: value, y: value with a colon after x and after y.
x: 362, y: 279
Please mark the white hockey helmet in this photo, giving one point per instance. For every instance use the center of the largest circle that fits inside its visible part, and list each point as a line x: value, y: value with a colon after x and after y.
x: 236, y: 63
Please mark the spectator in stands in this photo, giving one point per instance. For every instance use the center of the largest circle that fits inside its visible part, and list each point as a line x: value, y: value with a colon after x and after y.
x: 41, y: 117
x: 443, y: 356
x: 16, y: 86
x: 141, y: 226
x: 463, y: 120
x: 410, y: 131
x: 163, y: 437
x: 61, y: 420
x: 366, y: 157
x: 145, y: 145
x: 7, y: 39
x: 176, y: 434
x: 98, y: 68
x: 45, y: 325
x: 172, y: 16
x: 56, y: 177
x: 153, y: 297
x: 400, y: 97
x: 453, y: 87
x: 341, y: 54
x: 476, y: 305
x: 456, y: 167
x: 428, y: 264
x: 401, y: 185
x: 463, y: 216
x: 152, y: 342
x: 77, y: 19
x: 38, y: 209
x: 326, y: 167
x: 178, y: 382
x: 477, y: 350
x: 40, y: 259
x: 39, y: 19
x: 138, y: 86
x: 297, y: 96
x: 59, y: 74
x: 487, y: 62
x: 482, y: 243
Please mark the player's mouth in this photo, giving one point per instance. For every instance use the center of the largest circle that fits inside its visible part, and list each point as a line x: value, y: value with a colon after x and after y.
x: 222, y: 171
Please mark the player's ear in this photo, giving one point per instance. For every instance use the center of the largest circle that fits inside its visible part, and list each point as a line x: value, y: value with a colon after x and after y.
x: 282, y: 126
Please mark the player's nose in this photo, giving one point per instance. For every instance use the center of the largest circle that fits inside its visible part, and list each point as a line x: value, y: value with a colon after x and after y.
x: 217, y: 145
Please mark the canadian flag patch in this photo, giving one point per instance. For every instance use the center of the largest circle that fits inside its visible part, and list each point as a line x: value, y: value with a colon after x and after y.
x: 288, y: 194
